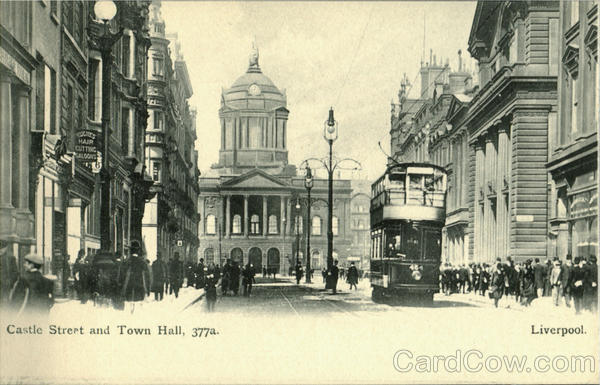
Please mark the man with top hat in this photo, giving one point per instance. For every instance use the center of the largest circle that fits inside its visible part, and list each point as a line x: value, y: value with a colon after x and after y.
x: 565, y: 279
x: 32, y: 292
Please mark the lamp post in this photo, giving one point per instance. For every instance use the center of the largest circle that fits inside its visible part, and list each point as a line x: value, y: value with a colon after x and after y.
x: 308, y: 183
x: 297, y: 233
x: 330, y: 134
x: 105, y: 10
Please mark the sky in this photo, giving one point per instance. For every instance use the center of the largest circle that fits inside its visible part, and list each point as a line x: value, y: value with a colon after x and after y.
x: 347, y: 55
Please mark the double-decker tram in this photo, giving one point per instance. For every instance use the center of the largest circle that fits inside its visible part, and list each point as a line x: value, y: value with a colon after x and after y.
x: 408, y: 211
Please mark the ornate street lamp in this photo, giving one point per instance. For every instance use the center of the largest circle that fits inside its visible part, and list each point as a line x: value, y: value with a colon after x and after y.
x: 308, y: 184
x: 297, y: 232
x: 330, y: 134
x: 105, y: 11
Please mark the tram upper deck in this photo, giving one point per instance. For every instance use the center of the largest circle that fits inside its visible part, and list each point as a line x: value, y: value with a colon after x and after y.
x: 409, y: 191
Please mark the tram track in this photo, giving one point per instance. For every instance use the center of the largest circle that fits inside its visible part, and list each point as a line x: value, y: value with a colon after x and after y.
x: 289, y: 302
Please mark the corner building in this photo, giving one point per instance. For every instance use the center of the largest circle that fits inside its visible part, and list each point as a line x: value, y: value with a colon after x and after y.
x: 516, y: 46
x: 248, y: 207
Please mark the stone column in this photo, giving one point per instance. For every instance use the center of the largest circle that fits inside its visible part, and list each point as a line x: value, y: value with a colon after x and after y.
x: 288, y: 215
x: 478, y: 218
x: 265, y: 217
x: 246, y: 215
x: 201, y: 208
x: 5, y: 143
x: 228, y: 216
x: 24, y: 219
x: 501, y: 203
x: 489, y: 220
x: 281, y: 215
x: 24, y: 147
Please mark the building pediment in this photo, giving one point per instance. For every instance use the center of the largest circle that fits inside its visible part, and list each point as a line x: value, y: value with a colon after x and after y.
x: 255, y: 179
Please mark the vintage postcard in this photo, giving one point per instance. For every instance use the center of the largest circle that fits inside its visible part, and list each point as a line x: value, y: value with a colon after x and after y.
x: 282, y: 192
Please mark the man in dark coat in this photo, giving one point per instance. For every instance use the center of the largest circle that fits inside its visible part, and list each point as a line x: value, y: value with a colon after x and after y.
x: 136, y: 283
x: 565, y: 279
x: 175, y: 275
x: 539, y: 273
x: 590, y: 286
x: 527, y: 284
x: 159, y: 277
x: 210, y: 287
x: 352, y: 276
x: 226, y: 277
x: 234, y: 278
x: 200, y: 274
x: 32, y: 293
x: 299, y: 273
x: 333, y: 275
x: 497, y: 284
x: 577, y: 283
x: 248, y: 279
x: 463, y: 278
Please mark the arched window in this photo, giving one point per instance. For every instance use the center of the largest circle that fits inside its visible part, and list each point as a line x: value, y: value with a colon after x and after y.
x: 237, y: 224
x: 298, y: 225
x: 361, y: 224
x: 211, y: 224
x: 273, y: 224
x: 335, y: 225
x: 316, y: 225
x: 254, y: 224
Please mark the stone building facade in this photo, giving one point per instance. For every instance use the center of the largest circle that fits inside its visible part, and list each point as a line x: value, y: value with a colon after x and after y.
x: 51, y: 93
x: 497, y: 135
x: 516, y: 46
x: 254, y: 207
x: 573, y: 136
x: 171, y: 217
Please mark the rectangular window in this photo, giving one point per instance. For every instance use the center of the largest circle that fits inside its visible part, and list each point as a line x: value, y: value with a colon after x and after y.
x: 156, y: 171
x: 157, y: 67
x: 126, y: 55
x: 69, y: 115
x: 574, y: 104
x: 125, y: 130
x: 158, y: 120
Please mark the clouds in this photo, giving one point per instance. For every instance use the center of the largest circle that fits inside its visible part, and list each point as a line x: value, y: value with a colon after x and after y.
x: 314, y: 51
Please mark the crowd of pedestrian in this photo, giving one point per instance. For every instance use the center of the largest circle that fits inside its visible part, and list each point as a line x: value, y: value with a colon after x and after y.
x: 571, y: 279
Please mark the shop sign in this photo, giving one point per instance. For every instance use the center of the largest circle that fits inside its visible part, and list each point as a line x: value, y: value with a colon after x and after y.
x: 85, y: 146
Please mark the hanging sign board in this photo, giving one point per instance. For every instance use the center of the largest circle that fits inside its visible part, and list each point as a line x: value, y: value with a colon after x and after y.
x: 85, y: 146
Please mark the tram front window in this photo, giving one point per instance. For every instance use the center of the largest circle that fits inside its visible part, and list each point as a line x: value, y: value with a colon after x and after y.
x: 394, y: 244
x: 433, y: 245
x: 412, y: 242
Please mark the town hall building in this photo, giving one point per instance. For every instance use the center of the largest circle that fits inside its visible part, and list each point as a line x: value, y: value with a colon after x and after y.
x: 254, y: 206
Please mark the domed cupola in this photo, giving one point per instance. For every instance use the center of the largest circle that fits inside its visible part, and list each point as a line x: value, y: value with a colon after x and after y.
x: 253, y: 118
x: 253, y: 90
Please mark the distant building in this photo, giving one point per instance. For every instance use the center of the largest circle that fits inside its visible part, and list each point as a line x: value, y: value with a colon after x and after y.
x: 360, y: 223
x: 431, y: 129
x: 171, y: 218
x: 573, y: 137
x: 249, y: 205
